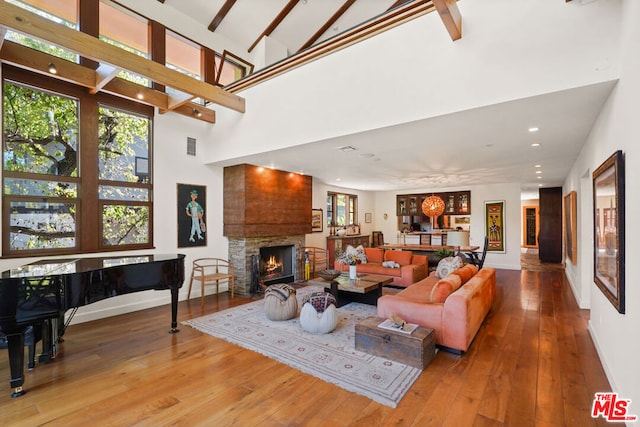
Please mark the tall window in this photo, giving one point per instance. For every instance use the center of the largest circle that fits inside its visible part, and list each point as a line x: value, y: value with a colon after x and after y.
x: 73, y: 185
x: 342, y: 209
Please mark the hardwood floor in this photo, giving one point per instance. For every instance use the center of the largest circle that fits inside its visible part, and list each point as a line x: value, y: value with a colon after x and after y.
x: 532, y: 364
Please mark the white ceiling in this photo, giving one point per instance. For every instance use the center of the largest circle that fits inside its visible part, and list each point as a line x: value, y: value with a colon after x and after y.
x: 484, y: 145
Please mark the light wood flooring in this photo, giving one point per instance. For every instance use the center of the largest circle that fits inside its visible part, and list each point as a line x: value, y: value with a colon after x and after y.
x: 532, y: 364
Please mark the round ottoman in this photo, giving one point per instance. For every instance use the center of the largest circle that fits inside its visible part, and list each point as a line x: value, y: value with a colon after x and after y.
x: 280, y: 302
x: 318, y: 314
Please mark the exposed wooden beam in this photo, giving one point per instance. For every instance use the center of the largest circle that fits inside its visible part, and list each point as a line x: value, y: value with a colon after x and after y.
x: 391, y: 19
x: 450, y: 15
x: 177, y: 100
x: 328, y: 24
x: 397, y: 3
x: 29, y: 23
x: 217, y: 20
x: 104, y: 74
x: 36, y: 61
x: 274, y: 24
x: 3, y: 33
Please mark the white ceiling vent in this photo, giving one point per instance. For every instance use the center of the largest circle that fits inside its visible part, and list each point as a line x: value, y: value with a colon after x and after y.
x: 191, y: 146
x: 346, y: 148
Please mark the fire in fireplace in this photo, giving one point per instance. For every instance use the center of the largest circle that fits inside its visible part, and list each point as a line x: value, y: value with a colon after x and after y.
x: 277, y: 264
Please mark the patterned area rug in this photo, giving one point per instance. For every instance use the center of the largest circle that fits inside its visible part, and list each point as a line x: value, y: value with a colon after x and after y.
x: 331, y: 357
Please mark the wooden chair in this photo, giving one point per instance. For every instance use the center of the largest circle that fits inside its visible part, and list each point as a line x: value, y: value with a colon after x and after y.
x: 377, y: 239
x: 211, y: 270
x: 473, y: 257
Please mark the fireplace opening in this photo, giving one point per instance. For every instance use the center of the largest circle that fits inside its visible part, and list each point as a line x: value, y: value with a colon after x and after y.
x: 277, y: 264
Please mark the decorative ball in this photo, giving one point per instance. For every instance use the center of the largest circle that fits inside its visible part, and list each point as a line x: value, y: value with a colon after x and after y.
x: 280, y: 302
x: 318, y: 314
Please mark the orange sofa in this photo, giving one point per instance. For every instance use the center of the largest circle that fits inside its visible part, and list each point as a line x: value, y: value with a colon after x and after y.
x: 454, y: 306
x: 412, y: 268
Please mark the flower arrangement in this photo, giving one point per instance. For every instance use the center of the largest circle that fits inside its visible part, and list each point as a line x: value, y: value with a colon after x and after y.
x: 351, y: 256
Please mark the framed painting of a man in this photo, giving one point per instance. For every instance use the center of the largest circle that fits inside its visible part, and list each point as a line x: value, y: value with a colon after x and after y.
x: 192, y: 229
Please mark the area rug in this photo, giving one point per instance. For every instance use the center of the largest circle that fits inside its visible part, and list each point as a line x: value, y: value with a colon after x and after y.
x: 331, y: 357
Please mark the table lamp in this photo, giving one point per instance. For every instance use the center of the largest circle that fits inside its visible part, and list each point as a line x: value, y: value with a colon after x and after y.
x: 458, y: 238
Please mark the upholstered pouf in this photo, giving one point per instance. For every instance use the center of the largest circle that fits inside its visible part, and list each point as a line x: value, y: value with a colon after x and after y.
x: 318, y: 314
x: 280, y: 302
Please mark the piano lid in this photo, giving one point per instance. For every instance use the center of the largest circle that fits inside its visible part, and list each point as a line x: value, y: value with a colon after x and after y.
x: 51, y: 267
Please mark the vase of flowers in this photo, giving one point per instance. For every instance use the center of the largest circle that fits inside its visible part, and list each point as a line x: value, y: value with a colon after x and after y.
x: 352, y: 258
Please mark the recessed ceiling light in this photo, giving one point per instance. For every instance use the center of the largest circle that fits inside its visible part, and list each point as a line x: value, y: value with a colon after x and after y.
x: 338, y: 179
x: 539, y: 177
x: 538, y: 166
x: 533, y: 129
x: 535, y: 144
x: 539, y: 185
x: 538, y: 171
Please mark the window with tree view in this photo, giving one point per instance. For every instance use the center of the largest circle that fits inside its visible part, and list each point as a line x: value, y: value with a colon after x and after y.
x: 72, y: 185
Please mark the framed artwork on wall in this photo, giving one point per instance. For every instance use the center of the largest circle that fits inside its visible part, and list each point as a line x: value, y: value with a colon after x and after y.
x: 367, y: 218
x: 316, y: 220
x: 494, y: 225
x: 571, y: 226
x: 609, y: 228
x: 191, y: 202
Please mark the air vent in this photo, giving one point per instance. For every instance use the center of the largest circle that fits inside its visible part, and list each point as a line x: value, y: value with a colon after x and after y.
x: 346, y: 148
x: 191, y: 146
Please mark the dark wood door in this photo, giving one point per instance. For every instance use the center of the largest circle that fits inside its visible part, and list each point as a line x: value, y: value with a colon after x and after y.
x: 550, y: 237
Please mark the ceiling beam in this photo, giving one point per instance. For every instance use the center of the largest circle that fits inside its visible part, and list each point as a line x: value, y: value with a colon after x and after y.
x: 450, y: 15
x: 104, y: 74
x: 327, y: 24
x: 36, y: 61
x: 217, y: 20
x: 274, y: 24
x: 22, y: 21
x: 392, y: 18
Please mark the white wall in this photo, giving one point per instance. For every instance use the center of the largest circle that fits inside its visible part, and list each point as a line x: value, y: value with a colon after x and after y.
x: 510, y: 50
x: 615, y: 335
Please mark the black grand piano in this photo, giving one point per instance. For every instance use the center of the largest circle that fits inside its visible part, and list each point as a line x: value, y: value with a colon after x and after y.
x: 37, y: 296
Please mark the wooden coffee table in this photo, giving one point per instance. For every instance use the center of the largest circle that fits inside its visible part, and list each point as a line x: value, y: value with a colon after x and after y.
x: 366, y: 289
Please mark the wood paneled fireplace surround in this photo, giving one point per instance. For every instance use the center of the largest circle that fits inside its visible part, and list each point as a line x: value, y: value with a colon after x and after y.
x: 265, y: 208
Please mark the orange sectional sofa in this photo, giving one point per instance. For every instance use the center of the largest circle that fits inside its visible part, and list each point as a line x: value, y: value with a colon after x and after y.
x: 412, y: 268
x: 454, y: 306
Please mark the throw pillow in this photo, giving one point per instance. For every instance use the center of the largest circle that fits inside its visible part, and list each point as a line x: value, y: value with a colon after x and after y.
x: 447, y: 265
x: 374, y: 255
x: 466, y: 272
x: 401, y: 257
x: 444, y: 288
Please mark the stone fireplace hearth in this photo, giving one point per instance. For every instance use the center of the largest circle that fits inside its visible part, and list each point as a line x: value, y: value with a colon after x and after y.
x: 244, y: 251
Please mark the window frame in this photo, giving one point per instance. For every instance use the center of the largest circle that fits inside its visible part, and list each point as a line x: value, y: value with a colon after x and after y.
x: 88, y: 204
x: 351, y: 209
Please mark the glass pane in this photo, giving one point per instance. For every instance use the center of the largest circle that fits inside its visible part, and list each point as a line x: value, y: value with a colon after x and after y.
x: 123, y: 193
x: 329, y: 210
x: 125, y: 225
x: 128, y: 31
x: 41, y: 225
x: 34, y: 187
x: 40, y: 132
x: 341, y: 208
x: 60, y: 11
x: 183, y: 55
x: 121, y: 138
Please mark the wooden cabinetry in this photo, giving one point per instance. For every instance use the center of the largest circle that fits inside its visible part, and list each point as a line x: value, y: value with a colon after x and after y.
x: 455, y: 203
x: 336, y: 244
x: 550, y: 237
x: 530, y: 226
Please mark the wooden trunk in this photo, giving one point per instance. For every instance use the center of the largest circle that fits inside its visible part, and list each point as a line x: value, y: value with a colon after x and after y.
x: 416, y: 349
